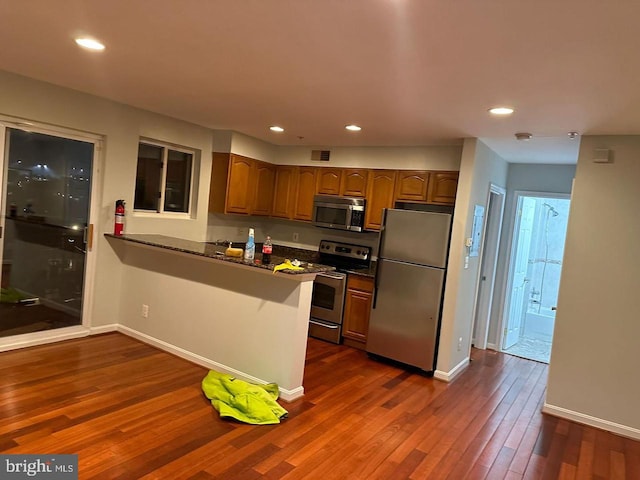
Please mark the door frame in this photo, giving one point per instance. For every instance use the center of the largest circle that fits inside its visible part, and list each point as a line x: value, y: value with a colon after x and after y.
x: 489, y: 249
x: 48, y: 336
x: 506, y: 291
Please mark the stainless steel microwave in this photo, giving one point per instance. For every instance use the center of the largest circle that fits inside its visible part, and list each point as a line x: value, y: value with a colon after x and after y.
x: 340, y: 213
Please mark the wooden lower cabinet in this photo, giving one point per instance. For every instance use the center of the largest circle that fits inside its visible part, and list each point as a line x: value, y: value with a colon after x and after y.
x: 357, y: 309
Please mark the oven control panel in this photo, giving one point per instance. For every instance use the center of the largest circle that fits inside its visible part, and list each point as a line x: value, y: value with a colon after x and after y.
x: 358, y: 253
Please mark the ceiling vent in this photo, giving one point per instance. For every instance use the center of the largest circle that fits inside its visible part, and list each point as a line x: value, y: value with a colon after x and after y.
x: 320, y: 155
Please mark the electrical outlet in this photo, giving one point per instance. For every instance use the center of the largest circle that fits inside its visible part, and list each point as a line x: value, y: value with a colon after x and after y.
x: 145, y: 310
x: 240, y: 231
x: 295, y: 236
x: 460, y: 344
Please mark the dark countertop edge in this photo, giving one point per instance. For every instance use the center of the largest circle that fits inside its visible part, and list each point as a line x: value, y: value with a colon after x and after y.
x: 192, y: 247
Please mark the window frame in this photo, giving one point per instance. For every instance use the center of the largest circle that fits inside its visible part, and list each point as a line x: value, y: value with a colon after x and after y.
x: 160, y: 211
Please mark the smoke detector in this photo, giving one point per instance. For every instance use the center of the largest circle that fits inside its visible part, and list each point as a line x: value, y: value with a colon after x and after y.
x: 573, y: 135
x: 523, y: 136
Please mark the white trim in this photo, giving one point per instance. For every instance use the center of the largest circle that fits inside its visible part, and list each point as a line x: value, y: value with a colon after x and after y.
x: 492, y: 346
x: 453, y: 373
x: 578, y: 417
x: 113, y: 327
x: 42, y: 338
x: 287, y: 395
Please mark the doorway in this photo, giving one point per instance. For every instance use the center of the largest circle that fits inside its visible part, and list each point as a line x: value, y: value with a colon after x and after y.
x: 537, y: 250
x: 45, y: 208
x: 488, y: 265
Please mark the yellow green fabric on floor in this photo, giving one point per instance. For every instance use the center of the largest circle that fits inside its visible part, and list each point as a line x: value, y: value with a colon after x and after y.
x: 245, y: 402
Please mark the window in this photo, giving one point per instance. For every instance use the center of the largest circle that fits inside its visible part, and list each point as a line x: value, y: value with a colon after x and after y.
x: 163, y: 178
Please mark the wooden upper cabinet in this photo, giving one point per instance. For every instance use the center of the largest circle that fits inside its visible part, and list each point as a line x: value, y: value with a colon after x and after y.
x: 284, y: 191
x: 412, y: 186
x: 240, y: 185
x: 305, y: 190
x: 354, y: 182
x: 442, y: 188
x: 380, y: 187
x: 328, y: 181
x: 264, y: 175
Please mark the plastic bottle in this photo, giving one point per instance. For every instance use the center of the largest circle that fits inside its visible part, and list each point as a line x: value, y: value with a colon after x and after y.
x: 250, y: 247
x: 267, y: 248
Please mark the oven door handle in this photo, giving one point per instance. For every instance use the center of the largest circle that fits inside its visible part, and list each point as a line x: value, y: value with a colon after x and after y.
x: 325, y: 325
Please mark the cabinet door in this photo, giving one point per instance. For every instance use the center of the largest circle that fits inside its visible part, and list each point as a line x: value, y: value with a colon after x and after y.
x: 284, y: 192
x: 240, y: 186
x: 303, y: 206
x: 380, y: 187
x: 442, y: 187
x: 412, y: 186
x: 357, y: 308
x: 354, y: 182
x: 328, y: 181
x: 264, y: 179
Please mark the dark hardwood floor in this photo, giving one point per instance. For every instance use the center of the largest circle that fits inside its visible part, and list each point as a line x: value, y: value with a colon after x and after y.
x: 131, y: 411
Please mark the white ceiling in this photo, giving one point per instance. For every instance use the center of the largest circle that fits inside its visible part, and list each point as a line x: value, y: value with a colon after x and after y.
x: 410, y: 72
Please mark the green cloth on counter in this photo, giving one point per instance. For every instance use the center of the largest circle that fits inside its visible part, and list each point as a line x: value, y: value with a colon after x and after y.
x: 246, y: 402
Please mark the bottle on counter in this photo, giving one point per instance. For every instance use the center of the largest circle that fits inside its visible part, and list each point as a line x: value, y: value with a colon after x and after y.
x: 250, y: 247
x: 267, y: 248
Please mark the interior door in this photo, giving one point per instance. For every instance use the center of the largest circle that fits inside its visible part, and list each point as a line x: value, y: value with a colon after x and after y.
x: 45, y: 199
x: 519, y: 280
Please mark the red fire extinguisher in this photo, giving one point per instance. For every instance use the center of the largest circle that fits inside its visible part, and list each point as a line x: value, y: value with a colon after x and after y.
x: 118, y: 227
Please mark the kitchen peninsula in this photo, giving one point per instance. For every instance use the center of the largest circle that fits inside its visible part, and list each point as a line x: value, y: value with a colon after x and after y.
x: 221, y: 312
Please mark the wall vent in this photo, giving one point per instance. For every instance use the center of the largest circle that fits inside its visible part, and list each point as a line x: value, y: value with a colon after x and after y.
x: 320, y: 155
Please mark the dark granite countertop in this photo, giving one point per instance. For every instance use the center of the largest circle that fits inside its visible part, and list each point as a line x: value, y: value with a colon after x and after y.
x: 365, y: 272
x: 214, y: 251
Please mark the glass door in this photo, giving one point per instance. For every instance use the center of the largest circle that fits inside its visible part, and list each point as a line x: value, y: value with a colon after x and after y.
x: 46, y: 193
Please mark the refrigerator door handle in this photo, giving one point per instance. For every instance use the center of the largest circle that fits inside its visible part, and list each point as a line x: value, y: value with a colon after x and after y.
x: 376, y: 284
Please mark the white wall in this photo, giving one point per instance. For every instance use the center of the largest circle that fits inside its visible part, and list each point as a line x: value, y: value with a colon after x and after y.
x: 593, y: 374
x: 121, y: 126
x: 239, y: 320
x: 479, y: 168
x: 531, y: 178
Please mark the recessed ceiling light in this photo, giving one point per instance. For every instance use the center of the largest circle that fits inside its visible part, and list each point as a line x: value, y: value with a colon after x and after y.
x: 573, y: 135
x: 523, y: 136
x: 501, y: 111
x: 275, y: 128
x: 90, y: 44
x: 353, y: 128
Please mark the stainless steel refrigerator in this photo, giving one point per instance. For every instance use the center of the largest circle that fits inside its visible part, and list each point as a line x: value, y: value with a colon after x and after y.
x: 407, y: 304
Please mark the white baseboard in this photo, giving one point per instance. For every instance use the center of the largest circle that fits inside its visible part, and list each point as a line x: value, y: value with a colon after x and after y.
x: 578, y: 417
x: 453, y: 373
x: 41, y: 338
x: 285, y: 394
x: 492, y: 346
x: 104, y: 329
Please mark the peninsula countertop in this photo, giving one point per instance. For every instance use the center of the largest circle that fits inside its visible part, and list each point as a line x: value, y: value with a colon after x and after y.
x: 216, y: 252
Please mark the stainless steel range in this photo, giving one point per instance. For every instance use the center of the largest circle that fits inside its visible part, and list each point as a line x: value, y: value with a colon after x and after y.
x: 327, y: 302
